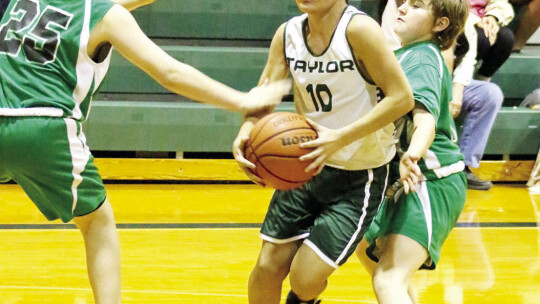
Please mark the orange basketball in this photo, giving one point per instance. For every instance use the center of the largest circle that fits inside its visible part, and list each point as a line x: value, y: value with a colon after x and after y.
x: 274, y: 148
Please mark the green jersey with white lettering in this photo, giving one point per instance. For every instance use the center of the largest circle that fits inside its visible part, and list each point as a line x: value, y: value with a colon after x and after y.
x: 46, y: 70
x: 431, y: 84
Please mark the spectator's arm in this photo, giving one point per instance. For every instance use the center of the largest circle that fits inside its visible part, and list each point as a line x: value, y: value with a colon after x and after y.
x: 500, y: 9
x: 463, y: 72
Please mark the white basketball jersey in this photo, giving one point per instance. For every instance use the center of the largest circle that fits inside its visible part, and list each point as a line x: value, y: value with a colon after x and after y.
x: 330, y: 90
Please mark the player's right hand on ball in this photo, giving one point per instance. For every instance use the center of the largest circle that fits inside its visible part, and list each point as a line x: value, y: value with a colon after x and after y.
x: 238, y: 153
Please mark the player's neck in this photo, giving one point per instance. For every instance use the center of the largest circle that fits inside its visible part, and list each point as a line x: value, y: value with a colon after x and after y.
x: 321, y: 27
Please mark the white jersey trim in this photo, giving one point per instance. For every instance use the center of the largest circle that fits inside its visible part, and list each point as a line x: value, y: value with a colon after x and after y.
x: 88, y: 71
x: 47, y: 112
x: 362, y: 217
x: 323, y: 256
x: 283, y: 241
x: 423, y: 195
x: 451, y: 169
x: 80, y: 155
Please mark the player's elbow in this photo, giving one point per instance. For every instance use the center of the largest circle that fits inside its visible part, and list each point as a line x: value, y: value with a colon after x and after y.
x: 405, y: 101
x: 172, y: 79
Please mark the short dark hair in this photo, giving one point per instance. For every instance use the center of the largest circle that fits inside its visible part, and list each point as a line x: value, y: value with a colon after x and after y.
x: 456, y: 11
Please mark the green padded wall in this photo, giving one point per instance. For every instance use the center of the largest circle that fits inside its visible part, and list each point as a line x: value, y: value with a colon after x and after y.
x: 520, y: 74
x: 238, y: 67
x: 219, y: 19
x: 193, y: 127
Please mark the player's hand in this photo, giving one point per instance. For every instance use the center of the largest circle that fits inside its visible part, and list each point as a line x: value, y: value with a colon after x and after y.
x: 238, y: 148
x: 264, y: 96
x: 326, y: 144
x: 455, y: 107
x: 491, y: 28
x: 409, y: 171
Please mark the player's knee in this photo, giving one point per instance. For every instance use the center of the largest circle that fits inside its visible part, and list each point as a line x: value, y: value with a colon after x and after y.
x: 384, y: 281
x: 270, y: 269
x: 304, y: 285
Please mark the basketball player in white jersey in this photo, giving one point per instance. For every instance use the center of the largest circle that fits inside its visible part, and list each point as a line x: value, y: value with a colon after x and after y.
x: 349, y: 84
x: 53, y: 55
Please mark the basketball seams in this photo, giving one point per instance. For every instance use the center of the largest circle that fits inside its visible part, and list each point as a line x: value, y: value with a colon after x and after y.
x: 278, y: 177
x: 268, y: 119
x: 280, y: 133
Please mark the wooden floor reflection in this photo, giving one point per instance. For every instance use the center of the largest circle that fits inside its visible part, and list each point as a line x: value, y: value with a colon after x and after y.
x: 197, y: 244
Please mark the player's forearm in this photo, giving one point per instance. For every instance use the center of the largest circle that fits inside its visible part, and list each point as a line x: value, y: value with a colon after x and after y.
x: 185, y: 80
x: 385, y: 112
x: 423, y: 134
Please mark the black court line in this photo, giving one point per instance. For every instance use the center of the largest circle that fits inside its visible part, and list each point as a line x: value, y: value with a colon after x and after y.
x: 239, y: 225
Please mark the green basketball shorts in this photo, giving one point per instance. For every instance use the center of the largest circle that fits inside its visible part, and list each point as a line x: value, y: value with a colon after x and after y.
x: 48, y: 157
x: 331, y: 212
x: 426, y: 216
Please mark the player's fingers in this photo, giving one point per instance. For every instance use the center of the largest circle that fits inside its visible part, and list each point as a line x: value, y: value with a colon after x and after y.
x: 254, y: 178
x: 311, y: 155
x: 280, y: 87
x: 313, y: 124
x: 316, y: 164
x: 412, y: 185
x: 312, y: 143
x: 319, y: 170
x: 245, y: 163
x: 406, y: 187
x: 416, y: 170
x: 413, y: 178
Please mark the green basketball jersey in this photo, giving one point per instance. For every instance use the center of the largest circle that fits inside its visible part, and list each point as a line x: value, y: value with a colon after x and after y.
x: 46, y: 70
x: 431, y: 84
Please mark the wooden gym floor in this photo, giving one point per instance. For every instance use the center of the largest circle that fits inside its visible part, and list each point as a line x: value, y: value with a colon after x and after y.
x: 196, y: 243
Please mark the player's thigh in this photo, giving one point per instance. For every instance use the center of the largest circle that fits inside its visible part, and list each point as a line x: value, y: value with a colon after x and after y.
x: 276, y: 258
x: 342, y: 223
x: 401, y: 257
x: 49, y: 159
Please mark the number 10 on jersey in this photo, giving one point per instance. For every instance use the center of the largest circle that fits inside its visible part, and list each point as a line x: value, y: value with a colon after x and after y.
x: 317, y: 97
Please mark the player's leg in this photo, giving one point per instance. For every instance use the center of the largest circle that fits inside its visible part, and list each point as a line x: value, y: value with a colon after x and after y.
x: 350, y: 200
x: 102, y: 253
x: 401, y: 257
x: 309, y: 275
x: 288, y: 221
x: 271, y: 269
x: 369, y: 265
x: 57, y: 172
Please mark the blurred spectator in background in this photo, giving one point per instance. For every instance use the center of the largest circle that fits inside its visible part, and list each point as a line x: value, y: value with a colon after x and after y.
x: 532, y: 100
x: 476, y: 102
x: 527, y: 21
x: 495, y: 41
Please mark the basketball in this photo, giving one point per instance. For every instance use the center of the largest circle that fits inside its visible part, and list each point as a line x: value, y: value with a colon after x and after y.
x: 274, y: 148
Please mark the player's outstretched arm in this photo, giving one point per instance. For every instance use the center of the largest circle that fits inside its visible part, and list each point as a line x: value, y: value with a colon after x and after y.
x: 121, y: 30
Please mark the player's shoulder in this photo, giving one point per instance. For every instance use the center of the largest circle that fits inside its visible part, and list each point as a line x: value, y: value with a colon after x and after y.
x: 362, y: 26
x: 421, y: 53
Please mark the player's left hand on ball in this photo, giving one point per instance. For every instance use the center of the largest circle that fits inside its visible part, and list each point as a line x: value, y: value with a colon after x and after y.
x: 246, y: 166
x: 326, y: 144
x: 264, y: 96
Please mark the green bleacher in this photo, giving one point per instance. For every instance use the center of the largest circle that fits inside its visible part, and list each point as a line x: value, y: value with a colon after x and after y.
x: 228, y: 40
